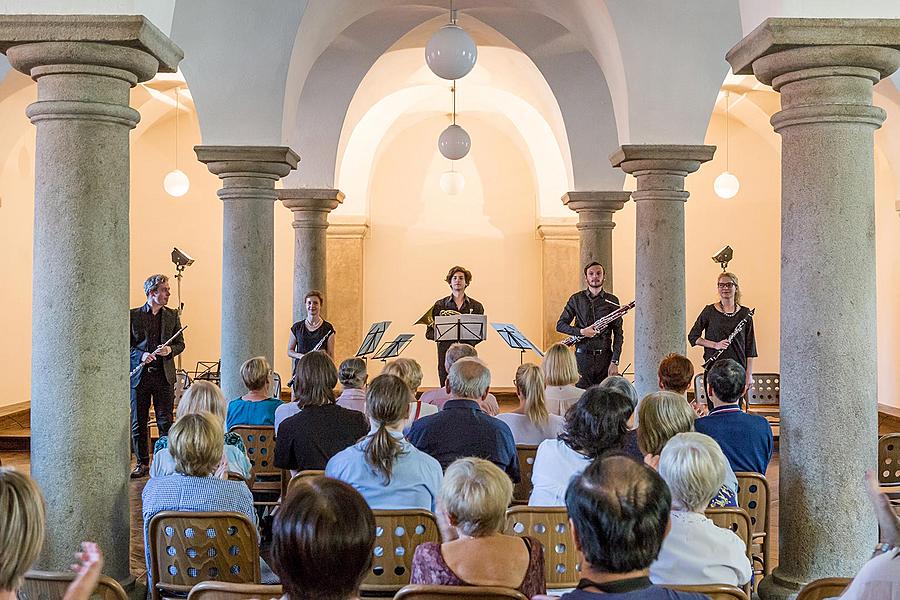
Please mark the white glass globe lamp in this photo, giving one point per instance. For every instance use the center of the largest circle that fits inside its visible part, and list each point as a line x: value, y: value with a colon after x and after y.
x: 451, y: 52
x: 726, y: 185
x: 176, y: 183
x: 452, y: 182
x: 454, y: 143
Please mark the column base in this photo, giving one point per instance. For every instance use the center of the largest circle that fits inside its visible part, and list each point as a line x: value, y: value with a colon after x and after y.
x: 778, y: 587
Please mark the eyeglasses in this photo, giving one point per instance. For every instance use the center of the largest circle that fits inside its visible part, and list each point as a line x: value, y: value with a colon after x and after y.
x: 726, y: 285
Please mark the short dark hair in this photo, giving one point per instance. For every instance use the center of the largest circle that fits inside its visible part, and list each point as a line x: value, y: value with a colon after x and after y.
x: 315, y: 380
x: 322, y: 540
x: 314, y: 294
x: 458, y: 269
x: 727, y: 379
x: 619, y: 509
x: 597, y: 422
x: 593, y: 264
x: 676, y: 373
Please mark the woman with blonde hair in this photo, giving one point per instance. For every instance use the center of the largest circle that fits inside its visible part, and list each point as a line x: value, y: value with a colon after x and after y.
x: 384, y: 467
x: 204, y: 397
x: 410, y: 372
x: 560, y: 375
x: 256, y: 407
x: 531, y: 422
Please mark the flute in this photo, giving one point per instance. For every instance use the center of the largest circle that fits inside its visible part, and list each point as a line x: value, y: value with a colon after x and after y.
x: 137, y: 369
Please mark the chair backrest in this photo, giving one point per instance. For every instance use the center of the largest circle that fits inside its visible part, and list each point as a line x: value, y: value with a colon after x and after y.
x: 889, y: 458
x: 829, y: 587
x: 50, y: 585
x: 735, y: 519
x: 276, y: 385
x: 187, y: 548
x: 397, y: 533
x: 220, y: 590
x: 699, y: 389
x: 549, y: 525
x: 522, y: 491
x: 753, y: 497
x: 443, y: 592
x: 715, y: 591
x: 260, y: 444
x: 765, y: 389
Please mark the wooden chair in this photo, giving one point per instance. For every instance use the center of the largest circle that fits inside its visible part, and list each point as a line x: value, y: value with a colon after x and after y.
x: 549, y: 525
x: 187, y: 548
x: 829, y: 587
x: 50, y: 585
x: 219, y: 590
x: 764, y: 399
x: 265, y: 478
x: 443, y: 592
x: 397, y: 533
x: 753, y: 497
x: 699, y: 389
x: 522, y: 491
x: 737, y: 520
x: 714, y: 591
x: 889, y: 459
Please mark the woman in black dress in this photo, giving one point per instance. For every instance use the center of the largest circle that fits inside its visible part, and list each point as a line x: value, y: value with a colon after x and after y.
x: 307, y: 334
x: 717, y: 321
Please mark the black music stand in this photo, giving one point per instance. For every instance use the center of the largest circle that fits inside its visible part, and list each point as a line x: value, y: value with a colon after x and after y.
x: 515, y: 339
x: 392, y: 349
x: 460, y: 328
x: 372, y: 339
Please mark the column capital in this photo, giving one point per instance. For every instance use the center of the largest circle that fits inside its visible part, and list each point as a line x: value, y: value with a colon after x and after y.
x: 348, y: 231
x: 595, y: 201
x: 310, y: 205
x: 637, y: 159
x: 558, y: 231
x: 271, y: 162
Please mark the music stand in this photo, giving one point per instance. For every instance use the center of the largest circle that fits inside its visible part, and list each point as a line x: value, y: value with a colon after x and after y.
x: 392, y: 349
x: 460, y: 328
x: 372, y: 339
x: 515, y: 339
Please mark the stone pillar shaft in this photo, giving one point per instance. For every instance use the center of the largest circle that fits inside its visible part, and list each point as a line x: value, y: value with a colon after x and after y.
x: 79, y: 383
x: 595, y: 225
x: 659, y: 329
x: 248, y: 194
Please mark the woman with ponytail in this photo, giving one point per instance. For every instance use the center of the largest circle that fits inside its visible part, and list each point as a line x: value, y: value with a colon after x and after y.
x: 531, y: 423
x: 387, y: 470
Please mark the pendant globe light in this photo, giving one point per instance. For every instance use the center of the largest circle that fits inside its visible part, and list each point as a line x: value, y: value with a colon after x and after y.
x: 454, y: 142
x: 452, y: 182
x: 726, y: 184
x: 451, y: 52
x: 176, y: 183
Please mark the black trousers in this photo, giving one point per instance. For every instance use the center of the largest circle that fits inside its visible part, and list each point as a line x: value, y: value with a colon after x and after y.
x: 442, y: 348
x: 593, y: 368
x: 152, y: 387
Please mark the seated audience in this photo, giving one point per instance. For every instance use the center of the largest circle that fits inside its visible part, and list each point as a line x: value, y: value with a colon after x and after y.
x: 624, y: 387
x: 203, y: 397
x: 663, y: 415
x: 321, y: 428
x: 531, y: 423
x: 619, y: 511
x: 745, y: 439
x: 22, y: 532
x: 462, y: 428
x: 676, y: 374
x: 697, y: 551
x: 387, y: 470
x: 353, y: 376
x: 596, y: 424
x: 410, y: 372
x: 322, y: 540
x: 257, y: 406
x: 560, y: 376
x: 472, y: 512
x: 439, y: 396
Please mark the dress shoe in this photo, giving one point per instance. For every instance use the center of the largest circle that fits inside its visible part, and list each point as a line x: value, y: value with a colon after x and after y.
x: 139, y: 471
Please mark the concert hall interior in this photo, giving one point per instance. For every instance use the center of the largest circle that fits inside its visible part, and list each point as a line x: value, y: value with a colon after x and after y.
x: 308, y: 132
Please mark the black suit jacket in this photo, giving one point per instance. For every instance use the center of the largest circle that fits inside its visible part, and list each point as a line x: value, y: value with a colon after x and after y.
x: 140, y: 322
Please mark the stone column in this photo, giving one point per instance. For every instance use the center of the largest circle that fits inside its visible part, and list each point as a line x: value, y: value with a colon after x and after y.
x: 659, y: 327
x: 595, y: 224
x: 85, y: 67
x: 248, y: 175
x: 560, y: 274
x: 344, y: 289
x: 825, y: 70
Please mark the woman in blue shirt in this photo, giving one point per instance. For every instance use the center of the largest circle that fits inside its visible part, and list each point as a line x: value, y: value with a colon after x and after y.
x: 387, y: 470
x: 257, y: 406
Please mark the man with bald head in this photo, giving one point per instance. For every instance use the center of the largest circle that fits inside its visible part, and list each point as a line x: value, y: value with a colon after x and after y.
x: 462, y: 428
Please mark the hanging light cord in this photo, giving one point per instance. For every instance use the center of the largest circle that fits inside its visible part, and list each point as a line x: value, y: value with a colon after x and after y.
x: 452, y: 17
x: 727, y: 95
x: 177, y: 110
x: 453, y: 90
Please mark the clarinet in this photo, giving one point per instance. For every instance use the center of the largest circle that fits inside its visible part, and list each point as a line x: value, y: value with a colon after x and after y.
x: 737, y: 329
x: 601, y: 323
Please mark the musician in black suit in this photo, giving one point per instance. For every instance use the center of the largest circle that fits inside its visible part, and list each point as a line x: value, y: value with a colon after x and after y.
x: 151, y: 325
x: 457, y: 303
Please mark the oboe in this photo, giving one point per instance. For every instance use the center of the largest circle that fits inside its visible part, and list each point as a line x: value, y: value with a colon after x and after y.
x: 601, y: 323
x: 321, y: 343
x: 737, y: 329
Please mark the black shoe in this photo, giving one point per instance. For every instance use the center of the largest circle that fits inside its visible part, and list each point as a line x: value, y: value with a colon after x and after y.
x: 139, y: 471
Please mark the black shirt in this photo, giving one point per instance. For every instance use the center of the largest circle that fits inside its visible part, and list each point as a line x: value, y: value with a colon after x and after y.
x: 154, y: 338
x: 447, y: 306
x: 585, y: 310
x: 310, y: 438
x: 716, y: 326
x: 306, y: 339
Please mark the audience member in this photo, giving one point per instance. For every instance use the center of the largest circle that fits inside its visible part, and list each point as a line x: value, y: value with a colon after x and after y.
x: 22, y: 536
x: 623, y: 386
x: 596, y: 424
x: 353, y: 376
x: 676, y: 374
x: 256, y: 407
x: 440, y: 395
x: 410, y: 372
x: 619, y: 511
x: 462, y: 428
x: 322, y: 540
x: 697, y: 551
x: 472, y: 512
x: 321, y: 428
x: 560, y: 375
x: 531, y: 423
x: 745, y: 439
x: 203, y: 397
x: 387, y: 470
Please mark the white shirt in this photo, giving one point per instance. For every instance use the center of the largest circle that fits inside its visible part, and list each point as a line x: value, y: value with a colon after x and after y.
x: 526, y: 432
x: 559, y: 398
x: 878, y: 579
x: 288, y: 409
x: 424, y: 410
x: 698, y: 552
x: 554, y: 466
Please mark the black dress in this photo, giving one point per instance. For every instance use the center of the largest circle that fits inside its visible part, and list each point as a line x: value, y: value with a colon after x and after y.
x: 307, y: 340
x: 715, y: 326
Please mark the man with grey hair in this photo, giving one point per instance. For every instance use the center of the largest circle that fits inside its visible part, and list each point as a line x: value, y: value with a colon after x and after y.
x: 151, y: 326
x: 462, y: 428
x: 440, y: 395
